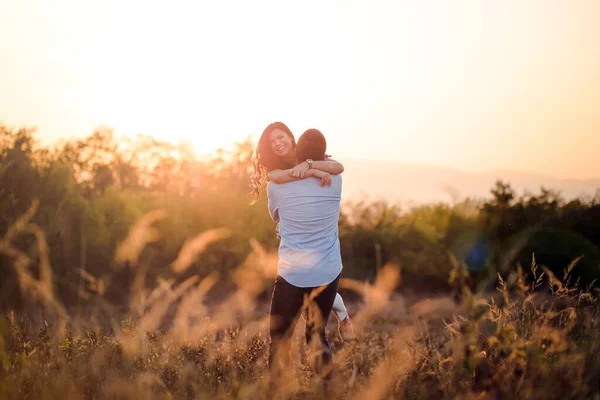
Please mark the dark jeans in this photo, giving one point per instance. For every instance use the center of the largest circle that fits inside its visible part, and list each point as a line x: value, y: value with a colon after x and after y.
x: 286, y: 305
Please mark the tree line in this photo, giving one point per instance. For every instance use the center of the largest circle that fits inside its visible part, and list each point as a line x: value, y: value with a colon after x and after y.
x: 90, y: 192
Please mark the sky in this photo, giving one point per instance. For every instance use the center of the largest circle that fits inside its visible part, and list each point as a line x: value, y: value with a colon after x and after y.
x: 472, y: 85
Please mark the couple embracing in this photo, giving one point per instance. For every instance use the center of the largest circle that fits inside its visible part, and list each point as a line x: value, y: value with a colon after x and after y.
x: 304, y: 193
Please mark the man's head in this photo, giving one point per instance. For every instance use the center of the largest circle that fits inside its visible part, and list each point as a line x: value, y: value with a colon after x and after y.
x: 311, y: 145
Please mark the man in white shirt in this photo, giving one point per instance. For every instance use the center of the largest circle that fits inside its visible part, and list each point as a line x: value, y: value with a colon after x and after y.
x: 310, y: 262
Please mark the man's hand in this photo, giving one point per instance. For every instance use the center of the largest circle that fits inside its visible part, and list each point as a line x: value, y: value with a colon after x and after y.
x: 299, y: 171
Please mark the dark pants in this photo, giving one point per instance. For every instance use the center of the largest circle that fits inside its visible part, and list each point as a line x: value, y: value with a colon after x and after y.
x: 287, y: 303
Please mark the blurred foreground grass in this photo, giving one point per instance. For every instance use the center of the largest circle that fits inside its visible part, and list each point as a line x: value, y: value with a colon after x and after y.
x: 537, y: 337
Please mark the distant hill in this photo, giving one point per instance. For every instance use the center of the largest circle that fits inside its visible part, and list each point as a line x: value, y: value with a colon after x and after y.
x: 419, y: 183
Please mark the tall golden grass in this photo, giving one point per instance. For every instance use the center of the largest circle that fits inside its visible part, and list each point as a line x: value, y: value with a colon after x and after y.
x: 173, y: 343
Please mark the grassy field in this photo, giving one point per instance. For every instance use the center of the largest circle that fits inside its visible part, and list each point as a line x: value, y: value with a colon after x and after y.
x: 536, y: 337
x: 405, y: 348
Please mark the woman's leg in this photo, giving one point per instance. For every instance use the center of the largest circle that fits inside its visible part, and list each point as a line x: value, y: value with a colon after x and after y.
x: 345, y: 327
x: 339, y: 308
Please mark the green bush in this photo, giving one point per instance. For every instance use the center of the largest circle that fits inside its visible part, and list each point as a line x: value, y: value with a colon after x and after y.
x: 556, y: 249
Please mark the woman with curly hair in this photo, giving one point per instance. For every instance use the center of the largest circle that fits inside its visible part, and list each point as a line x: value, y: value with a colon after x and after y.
x: 275, y: 160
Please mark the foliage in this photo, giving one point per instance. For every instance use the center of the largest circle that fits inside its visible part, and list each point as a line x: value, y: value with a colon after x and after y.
x: 172, y: 344
x: 92, y: 190
x: 131, y: 268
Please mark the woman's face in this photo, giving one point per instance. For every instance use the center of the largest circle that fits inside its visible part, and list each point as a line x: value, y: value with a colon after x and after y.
x: 281, y: 143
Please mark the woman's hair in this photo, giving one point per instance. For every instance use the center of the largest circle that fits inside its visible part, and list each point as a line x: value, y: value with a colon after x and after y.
x: 265, y: 159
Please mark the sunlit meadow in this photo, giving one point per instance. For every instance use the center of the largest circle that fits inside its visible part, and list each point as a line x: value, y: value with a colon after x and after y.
x: 173, y: 342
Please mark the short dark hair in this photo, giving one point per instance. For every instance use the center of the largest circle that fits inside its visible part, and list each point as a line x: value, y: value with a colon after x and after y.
x: 311, y: 144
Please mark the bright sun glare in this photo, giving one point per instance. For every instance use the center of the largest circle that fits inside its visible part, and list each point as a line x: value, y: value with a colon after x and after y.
x: 470, y: 85
x: 178, y: 79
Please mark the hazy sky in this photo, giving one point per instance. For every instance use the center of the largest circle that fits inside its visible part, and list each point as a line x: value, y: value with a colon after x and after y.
x: 475, y: 85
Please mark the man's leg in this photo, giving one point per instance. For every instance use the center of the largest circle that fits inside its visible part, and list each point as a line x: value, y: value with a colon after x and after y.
x: 286, y: 304
x: 320, y: 308
x: 344, y: 323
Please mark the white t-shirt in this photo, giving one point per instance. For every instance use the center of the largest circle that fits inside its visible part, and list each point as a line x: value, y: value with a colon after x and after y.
x: 309, y: 250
